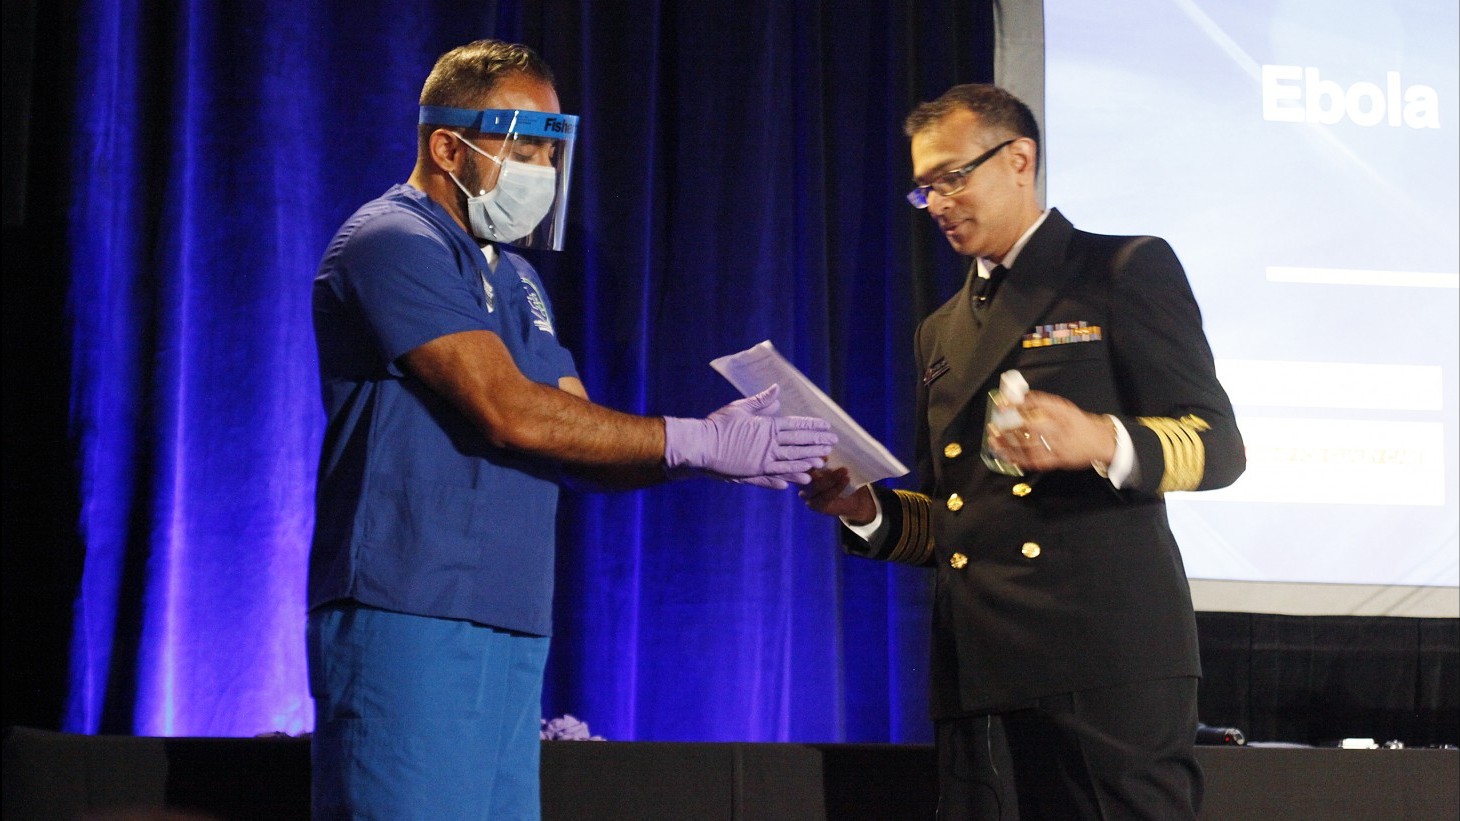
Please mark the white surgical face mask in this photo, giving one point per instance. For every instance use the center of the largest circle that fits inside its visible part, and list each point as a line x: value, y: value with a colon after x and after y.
x: 522, y: 197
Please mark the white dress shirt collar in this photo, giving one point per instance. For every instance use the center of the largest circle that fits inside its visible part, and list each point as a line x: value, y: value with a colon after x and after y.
x: 985, y: 264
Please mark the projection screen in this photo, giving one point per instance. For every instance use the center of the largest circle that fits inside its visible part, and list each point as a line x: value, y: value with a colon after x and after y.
x: 1301, y: 157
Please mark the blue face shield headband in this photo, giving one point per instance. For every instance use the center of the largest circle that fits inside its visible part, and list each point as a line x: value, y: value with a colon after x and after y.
x: 535, y: 144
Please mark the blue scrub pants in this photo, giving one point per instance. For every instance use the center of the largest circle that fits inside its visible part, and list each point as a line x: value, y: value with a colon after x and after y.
x: 425, y: 718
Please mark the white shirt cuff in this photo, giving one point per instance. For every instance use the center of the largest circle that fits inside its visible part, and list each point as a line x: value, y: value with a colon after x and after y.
x: 868, y: 530
x: 1122, y: 467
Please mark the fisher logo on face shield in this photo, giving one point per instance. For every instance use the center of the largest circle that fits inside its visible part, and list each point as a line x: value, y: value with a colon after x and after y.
x: 540, y: 316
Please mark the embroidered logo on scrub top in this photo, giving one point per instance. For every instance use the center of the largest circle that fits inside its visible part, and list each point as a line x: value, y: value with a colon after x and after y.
x: 490, y: 293
x: 540, y: 316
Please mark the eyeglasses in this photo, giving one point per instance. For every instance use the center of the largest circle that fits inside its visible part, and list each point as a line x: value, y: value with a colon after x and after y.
x: 953, y: 181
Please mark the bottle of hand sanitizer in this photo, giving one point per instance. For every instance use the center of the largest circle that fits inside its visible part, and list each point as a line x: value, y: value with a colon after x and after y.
x: 1002, y: 413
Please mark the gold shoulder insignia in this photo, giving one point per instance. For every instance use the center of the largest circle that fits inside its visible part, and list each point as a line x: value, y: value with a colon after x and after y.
x: 1184, y: 452
x: 915, y: 544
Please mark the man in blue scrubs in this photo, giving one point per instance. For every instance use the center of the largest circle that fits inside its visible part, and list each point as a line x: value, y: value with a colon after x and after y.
x: 451, y: 410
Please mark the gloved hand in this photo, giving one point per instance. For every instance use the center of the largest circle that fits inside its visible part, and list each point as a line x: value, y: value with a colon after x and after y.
x: 746, y: 442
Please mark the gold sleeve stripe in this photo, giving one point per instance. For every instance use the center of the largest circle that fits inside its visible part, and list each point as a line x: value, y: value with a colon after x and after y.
x: 1181, y: 446
x: 1177, y: 448
x: 915, y: 543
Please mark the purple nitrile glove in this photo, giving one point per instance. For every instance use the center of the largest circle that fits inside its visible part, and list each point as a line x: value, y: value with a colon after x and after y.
x: 746, y: 442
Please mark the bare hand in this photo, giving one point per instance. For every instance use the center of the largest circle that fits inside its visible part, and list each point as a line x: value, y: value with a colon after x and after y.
x: 1056, y: 435
x: 824, y: 495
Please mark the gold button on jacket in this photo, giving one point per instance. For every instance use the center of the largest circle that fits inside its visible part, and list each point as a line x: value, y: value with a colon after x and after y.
x: 955, y: 503
x: 1030, y: 550
x: 953, y: 450
x: 957, y: 561
x: 1022, y: 489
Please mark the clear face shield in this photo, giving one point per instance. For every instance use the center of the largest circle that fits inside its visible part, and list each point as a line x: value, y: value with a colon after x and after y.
x: 519, y: 194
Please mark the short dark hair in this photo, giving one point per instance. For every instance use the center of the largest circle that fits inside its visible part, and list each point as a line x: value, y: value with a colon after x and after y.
x: 466, y: 74
x: 995, y: 108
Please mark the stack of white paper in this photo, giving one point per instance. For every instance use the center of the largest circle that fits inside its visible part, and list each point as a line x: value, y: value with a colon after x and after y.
x: 757, y: 368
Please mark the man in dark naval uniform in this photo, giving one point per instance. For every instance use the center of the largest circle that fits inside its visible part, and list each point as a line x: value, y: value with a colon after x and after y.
x: 1065, y: 667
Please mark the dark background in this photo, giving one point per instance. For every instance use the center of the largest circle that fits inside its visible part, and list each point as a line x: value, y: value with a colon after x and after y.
x: 42, y: 550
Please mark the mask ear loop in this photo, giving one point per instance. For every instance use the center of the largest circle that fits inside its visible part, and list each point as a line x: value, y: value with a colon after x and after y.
x: 473, y: 146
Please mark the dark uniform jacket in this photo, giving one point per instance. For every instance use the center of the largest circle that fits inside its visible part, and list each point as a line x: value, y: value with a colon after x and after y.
x: 1058, y: 582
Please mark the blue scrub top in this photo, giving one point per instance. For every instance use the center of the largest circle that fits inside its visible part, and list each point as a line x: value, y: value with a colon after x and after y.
x: 414, y: 510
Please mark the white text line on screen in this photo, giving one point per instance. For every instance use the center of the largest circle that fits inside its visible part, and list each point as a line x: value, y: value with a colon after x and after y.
x: 1355, y: 276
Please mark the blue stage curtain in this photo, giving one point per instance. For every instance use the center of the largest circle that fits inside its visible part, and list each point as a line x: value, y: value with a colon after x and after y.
x: 738, y: 177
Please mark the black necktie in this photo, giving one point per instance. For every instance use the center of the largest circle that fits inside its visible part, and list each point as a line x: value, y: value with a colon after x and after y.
x: 983, y: 291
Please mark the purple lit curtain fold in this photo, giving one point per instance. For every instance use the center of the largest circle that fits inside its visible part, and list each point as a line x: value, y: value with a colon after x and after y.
x: 738, y: 178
